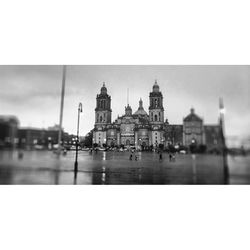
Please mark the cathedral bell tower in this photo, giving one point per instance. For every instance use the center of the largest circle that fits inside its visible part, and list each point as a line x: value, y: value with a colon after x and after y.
x: 156, y: 110
x: 103, y: 107
x: 102, y: 116
x: 156, y: 116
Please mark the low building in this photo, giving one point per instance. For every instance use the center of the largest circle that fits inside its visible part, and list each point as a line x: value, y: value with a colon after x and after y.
x: 8, y: 130
x: 31, y: 138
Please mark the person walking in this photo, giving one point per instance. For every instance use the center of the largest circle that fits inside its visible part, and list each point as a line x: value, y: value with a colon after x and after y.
x: 136, y: 155
x: 160, y: 155
x: 20, y: 154
x: 170, y: 157
x: 131, y: 155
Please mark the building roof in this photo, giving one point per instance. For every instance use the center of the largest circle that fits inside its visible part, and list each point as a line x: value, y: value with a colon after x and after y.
x: 192, y: 117
x: 140, y: 111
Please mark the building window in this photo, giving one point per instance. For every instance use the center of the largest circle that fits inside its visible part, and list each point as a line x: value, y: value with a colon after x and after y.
x: 156, y: 118
x: 156, y: 103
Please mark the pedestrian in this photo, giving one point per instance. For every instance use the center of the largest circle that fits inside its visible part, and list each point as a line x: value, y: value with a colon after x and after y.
x: 131, y: 156
x: 160, y: 156
x: 20, y: 154
x: 170, y: 157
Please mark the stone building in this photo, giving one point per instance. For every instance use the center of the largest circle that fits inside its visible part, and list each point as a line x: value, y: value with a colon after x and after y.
x: 30, y: 138
x: 143, y: 130
x: 131, y: 129
x: 193, y: 130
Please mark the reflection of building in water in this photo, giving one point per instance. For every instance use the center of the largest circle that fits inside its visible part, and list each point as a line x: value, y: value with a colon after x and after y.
x: 148, y: 129
x: 8, y: 130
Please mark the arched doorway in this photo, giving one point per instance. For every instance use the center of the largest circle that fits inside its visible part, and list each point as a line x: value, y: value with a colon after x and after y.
x: 127, y: 142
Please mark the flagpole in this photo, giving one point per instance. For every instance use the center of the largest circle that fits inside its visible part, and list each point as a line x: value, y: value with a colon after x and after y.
x: 127, y: 96
x: 61, y: 110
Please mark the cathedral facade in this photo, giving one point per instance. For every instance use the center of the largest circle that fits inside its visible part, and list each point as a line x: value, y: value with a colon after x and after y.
x: 148, y: 129
x: 131, y: 129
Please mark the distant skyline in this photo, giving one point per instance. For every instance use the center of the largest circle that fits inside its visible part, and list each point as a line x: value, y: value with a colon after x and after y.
x: 32, y: 93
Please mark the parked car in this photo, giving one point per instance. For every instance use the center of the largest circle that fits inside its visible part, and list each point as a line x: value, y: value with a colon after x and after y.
x: 39, y: 147
x: 85, y: 149
x: 183, y: 151
x: 55, y: 146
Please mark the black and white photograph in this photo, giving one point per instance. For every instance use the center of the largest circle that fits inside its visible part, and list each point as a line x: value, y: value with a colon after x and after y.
x: 125, y: 124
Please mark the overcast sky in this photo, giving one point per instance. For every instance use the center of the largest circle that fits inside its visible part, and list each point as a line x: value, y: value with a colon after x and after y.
x: 32, y: 93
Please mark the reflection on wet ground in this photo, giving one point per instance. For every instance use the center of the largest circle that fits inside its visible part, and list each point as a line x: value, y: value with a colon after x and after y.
x: 43, y: 167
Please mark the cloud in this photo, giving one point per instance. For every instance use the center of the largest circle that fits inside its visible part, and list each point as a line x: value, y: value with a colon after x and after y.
x: 33, y: 92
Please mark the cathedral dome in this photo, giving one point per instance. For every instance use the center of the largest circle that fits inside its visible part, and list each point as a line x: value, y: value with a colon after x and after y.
x: 156, y: 87
x: 140, y: 110
x: 192, y: 117
x: 104, y: 89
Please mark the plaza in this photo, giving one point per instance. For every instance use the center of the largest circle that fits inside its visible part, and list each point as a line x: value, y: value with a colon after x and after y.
x: 44, y: 167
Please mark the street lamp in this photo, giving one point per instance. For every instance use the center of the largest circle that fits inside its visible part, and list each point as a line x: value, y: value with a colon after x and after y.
x: 77, y: 140
x: 224, y: 147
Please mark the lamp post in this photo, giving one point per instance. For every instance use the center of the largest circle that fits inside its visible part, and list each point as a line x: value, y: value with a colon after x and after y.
x: 77, y: 140
x: 224, y: 147
x: 163, y: 144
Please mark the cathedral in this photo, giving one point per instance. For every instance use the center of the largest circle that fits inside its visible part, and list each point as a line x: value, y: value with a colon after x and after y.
x: 143, y: 129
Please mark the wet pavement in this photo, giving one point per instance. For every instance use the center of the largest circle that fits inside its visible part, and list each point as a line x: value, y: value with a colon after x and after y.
x: 44, y: 167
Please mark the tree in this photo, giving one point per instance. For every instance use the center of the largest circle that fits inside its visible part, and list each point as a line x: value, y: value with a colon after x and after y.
x: 87, y: 142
